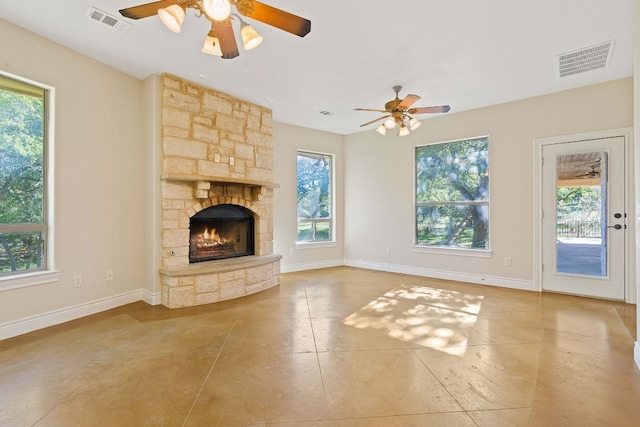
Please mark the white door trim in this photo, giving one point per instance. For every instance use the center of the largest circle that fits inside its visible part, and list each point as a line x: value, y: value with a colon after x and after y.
x: 630, y: 244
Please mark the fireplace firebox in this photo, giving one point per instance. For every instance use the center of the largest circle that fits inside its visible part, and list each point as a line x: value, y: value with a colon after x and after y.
x: 219, y: 232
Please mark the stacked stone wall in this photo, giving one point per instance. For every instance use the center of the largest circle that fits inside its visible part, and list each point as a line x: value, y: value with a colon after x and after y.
x: 203, y: 129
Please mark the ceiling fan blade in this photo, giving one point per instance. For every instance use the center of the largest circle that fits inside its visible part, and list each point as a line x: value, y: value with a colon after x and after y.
x: 228, y: 44
x: 595, y: 162
x: 369, y: 109
x: 278, y: 18
x: 407, y: 102
x: 376, y: 120
x: 146, y: 10
x: 426, y: 110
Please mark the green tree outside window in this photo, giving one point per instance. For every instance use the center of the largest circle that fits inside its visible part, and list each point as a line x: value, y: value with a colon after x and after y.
x: 452, y: 194
x: 314, y: 197
x: 22, y: 184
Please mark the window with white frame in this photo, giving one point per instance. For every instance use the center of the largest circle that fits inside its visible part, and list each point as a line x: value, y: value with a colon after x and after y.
x: 452, y: 194
x: 23, y: 202
x: 315, y: 192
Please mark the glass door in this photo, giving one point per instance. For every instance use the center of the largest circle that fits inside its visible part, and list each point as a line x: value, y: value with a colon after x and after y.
x: 584, y: 219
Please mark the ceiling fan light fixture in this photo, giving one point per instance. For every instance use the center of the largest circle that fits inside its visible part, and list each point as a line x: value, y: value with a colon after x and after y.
x: 414, y: 124
x: 172, y: 17
x: 218, y: 10
x: 250, y: 37
x: 400, y: 112
x: 382, y: 129
x: 212, y: 45
x: 390, y: 123
x: 218, y: 13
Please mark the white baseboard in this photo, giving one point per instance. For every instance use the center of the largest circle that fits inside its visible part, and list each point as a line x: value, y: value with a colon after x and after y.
x: 151, y: 298
x: 525, y: 285
x: 40, y: 321
x: 291, y: 268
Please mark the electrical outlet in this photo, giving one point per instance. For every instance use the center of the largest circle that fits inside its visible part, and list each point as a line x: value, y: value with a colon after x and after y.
x: 387, y: 251
x: 232, y: 161
x: 507, y: 262
x: 216, y: 158
x: 77, y: 281
x: 109, y: 274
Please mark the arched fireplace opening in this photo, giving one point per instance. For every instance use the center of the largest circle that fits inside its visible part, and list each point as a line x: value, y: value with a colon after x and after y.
x: 221, y: 231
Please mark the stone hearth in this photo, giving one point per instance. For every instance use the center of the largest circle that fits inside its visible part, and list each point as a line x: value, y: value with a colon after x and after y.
x: 216, y: 149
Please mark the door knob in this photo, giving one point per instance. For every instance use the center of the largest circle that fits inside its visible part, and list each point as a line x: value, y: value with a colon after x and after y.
x: 617, y: 226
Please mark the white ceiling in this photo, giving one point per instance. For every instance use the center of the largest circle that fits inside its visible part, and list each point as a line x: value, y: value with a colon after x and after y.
x: 465, y: 53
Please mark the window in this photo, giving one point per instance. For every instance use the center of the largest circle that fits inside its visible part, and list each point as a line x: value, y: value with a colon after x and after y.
x: 23, y: 210
x: 315, y: 217
x: 452, y: 194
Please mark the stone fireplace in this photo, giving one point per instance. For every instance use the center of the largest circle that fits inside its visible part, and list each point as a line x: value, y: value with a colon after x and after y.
x: 217, y: 196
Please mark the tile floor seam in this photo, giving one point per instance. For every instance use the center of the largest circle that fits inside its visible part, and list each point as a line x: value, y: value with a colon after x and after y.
x: 206, y: 378
x: 535, y: 382
x: 410, y: 414
x: 491, y: 341
x: 444, y: 387
x: 53, y: 408
x: 315, y: 343
x: 473, y: 420
x: 608, y: 339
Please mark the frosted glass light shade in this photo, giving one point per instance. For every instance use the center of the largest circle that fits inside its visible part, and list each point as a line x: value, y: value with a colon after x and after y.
x: 218, y: 10
x: 404, y: 131
x: 212, y: 46
x: 172, y: 16
x: 414, y: 124
x: 389, y: 123
x: 381, y: 129
x: 250, y: 38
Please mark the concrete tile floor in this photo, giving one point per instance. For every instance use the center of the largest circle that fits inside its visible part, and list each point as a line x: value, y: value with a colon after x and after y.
x: 337, y: 347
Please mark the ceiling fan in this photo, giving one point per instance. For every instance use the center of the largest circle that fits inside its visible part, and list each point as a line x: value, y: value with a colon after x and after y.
x: 399, y: 112
x: 593, y: 173
x: 221, y: 40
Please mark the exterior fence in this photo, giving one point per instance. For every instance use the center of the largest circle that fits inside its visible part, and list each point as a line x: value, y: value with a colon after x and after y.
x: 590, y: 229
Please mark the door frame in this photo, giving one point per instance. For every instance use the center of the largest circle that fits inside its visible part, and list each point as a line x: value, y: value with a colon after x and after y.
x: 630, y: 206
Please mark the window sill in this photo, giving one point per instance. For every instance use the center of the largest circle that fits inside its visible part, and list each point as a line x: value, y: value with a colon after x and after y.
x: 478, y: 253
x: 313, y: 245
x: 28, y: 279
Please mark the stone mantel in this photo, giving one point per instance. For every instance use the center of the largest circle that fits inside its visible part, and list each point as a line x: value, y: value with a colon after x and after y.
x: 218, y: 180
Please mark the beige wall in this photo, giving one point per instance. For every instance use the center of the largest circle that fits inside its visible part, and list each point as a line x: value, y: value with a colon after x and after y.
x: 379, y: 174
x: 152, y: 232
x: 98, y: 174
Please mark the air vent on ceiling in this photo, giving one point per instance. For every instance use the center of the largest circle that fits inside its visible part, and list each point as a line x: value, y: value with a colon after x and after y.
x: 583, y: 60
x: 110, y: 20
x: 326, y: 113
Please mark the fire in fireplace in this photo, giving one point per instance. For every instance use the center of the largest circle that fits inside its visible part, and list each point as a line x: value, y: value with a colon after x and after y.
x: 219, y: 232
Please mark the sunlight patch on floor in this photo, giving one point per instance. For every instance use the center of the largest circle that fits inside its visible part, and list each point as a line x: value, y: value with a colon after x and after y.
x: 433, y: 318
